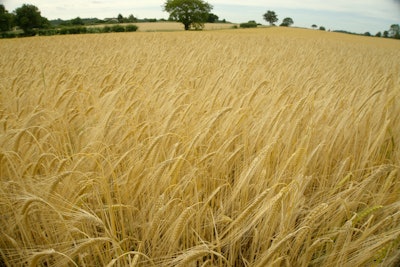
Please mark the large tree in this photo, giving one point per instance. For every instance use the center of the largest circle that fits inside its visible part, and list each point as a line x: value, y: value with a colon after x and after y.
x: 395, y: 31
x: 271, y: 17
x: 28, y: 17
x: 189, y: 12
x: 6, y: 19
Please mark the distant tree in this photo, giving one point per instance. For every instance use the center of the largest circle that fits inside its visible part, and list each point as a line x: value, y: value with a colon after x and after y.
x: 394, y: 31
x: 386, y: 34
x: 212, y: 18
x: 287, y: 22
x: 120, y: 18
x: 314, y: 26
x: 367, y: 34
x: 322, y: 28
x: 378, y: 34
x: 77, y: 21
x: 270, y: 17
x: 132, y: 18
x: 6, y: 19
x: 28, y: 17
x: 192, y: 13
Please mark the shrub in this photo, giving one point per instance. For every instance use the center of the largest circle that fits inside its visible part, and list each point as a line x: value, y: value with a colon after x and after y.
x: 106, y: 29
x: 47, y: 32
x: 63, y: 31
x: 250, y: 24
x: 131, y: 28
x: 8, y: 35
x: 94, y: 30
x: 82, y: 29
x: 117, y: 28
x: 76, y: 30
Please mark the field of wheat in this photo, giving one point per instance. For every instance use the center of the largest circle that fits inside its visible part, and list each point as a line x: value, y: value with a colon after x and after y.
x: 264, y: 147
x: 176, y: 26
x: 171, y: 26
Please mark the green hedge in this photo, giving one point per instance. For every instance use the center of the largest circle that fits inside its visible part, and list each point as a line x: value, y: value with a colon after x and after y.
x: 131, y: 28
x: 249, y: 24
x: 118, y: 28
x: 74, y: 30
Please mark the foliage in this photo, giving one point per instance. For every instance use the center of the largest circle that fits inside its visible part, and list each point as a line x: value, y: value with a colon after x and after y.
x: 91, y: 21
x: 314, y: 26
x: 28, y: 17
x: 120, y: 18
x: 212, y: 18
x: 80, y: 30
x: 131, y: 18
x: 270, y: 17
x: 106, y: 29
x: 77, y: 21
x: 9, y: 35
x: 147, y: 20
x: 394, y: 31
x: 48, y: 32
x: 386, y: 34
x: 189, y: 12
x: 250, y: 24
x: 322, y: 28
x: 287, y: 22
x: 6, y: 19
x: 131, y: 28
x: 117, y: 28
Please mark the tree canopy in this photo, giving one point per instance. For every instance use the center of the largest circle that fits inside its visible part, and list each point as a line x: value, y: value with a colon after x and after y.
x: 28, y: 17
x: 77, y: 21
x: 287, y: 22
x: 212, y: 18
x: 395, y: 31
x: 5, y: 19
x: 192, y: 13
x: 271, y: 17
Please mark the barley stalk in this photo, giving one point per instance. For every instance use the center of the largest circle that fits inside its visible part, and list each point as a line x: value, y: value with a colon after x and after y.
x: 184, y: 148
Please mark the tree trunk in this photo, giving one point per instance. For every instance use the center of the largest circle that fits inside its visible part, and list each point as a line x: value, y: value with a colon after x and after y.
x: 187, y: 26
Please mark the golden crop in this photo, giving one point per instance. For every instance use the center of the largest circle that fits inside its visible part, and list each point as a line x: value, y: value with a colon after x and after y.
x: 264, y: 147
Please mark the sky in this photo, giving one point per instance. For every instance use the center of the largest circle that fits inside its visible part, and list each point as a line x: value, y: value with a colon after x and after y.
x: 357, y: 16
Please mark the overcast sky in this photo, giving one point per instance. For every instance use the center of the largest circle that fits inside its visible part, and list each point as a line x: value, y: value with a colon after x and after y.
x: 353, y: 15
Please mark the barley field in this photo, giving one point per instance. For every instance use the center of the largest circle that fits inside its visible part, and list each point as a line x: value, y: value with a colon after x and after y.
x: 176, y: 26
x: 261, y: 147
x: 162, y: 26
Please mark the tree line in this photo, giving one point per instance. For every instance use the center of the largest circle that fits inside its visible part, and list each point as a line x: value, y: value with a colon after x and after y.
x: 191, y: 13
x: 29, y: 20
